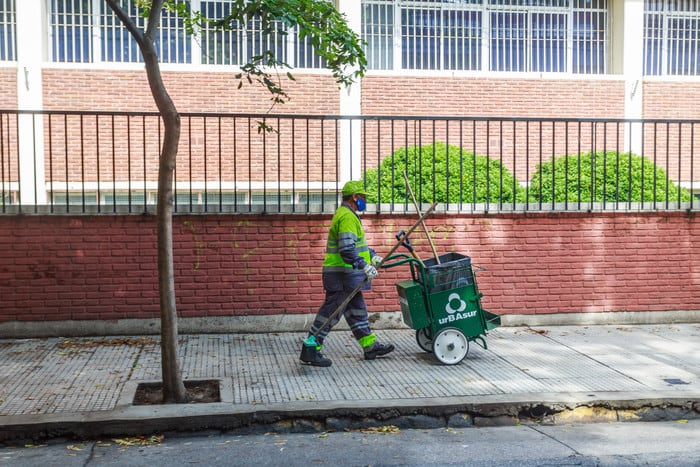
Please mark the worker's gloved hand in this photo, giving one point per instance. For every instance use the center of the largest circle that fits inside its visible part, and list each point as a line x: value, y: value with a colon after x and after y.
x: 376, y: 260
x: 370, y: 271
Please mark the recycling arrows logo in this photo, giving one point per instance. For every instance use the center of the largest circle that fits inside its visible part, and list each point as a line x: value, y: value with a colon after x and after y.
x: 454, y: 297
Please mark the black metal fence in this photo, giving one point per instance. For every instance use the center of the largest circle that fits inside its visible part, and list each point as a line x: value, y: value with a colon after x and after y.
x: 107, y: 163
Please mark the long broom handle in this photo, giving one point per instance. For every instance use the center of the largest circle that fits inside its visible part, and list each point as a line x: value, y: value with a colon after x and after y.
x: 425, y: 227
x: 365, y: 280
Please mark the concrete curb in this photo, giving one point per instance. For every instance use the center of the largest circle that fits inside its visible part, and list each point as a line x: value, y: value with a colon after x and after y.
x: 551, y: 409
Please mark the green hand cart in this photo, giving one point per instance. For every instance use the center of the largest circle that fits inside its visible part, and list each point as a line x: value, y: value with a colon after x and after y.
x: 442, y: 303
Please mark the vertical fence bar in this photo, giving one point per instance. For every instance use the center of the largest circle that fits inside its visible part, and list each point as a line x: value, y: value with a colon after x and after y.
x: 145, y: 171
x: 566, y: 165
x: 527, y: 163
x: 323, y: 165
x: 205, y: 195
x: 128, y: 163
x: 34, y: 166
x: 500, y: 168
x: 578, y: 183
x: 460, y: 191
x: 667, y: 169
x: 98, y: 193
x: 680, y: 162
x: 294, y: 164
x: 488, y: 165
x: 692, y: 163
x: 250, y: 168
x: 308, y: 171
x: 605, y: 163
x: 515, y: 166
x: 82, y: 161
x: 554, y: 165
x: 474, y: 165
x: 220, y: 166
x: 65, y: 159
x: 235, y: 165
x: 51, y: 190
x: 189, y: 159
x: 114, y: 169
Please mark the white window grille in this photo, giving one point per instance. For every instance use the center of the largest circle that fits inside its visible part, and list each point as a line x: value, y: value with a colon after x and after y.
x: 117, y: 43
x: 88, y: 31
x: 672, y: 37
x: 240, y: 43
x: 590, y: 32
x: 258, y: 42
x: 378, y: 32
x: 71, y: 30
x: 8, y: 30
x: 221, y: 47
x: 489, y: 35
x: 304, y: 54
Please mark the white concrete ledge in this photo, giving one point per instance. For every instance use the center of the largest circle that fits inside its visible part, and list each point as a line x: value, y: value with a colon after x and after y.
x: 302, y: 322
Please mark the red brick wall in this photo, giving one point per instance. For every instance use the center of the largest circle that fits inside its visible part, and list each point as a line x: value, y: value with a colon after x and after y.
x: 8, y: 88
x: 104, y: 267
x: 493, y: 97
x: 128, y: 91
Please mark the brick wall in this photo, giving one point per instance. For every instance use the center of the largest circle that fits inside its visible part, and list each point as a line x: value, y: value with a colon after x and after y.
x: 104, y: 267
x: 8, y: 88
x: 493, y: 97
x: 128, y: 91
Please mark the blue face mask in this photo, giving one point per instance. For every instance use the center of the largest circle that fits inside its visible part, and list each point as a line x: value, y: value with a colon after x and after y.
x: 361, y: 204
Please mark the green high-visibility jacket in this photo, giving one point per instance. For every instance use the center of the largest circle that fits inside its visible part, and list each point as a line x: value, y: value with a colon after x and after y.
x: 347, y: 251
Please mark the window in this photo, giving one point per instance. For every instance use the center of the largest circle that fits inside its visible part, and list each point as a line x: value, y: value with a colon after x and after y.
x: 117, y: 43
x: 512, y: 35
x: 8, y: 35
x: 173, y: 43
x: 239, y: 43
x: 71, y: 24
x: 88, y: 31
x: 378, y: 31
x: 672, y: 37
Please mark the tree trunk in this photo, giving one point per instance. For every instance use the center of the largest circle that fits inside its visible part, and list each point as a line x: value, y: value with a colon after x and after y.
x: 173, y: 386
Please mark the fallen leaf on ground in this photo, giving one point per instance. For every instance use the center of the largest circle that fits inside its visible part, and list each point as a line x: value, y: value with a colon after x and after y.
x: 388, y: 429
x: 139, y: 440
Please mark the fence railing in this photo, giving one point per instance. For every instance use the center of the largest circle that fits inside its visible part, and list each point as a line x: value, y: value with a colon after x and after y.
x: 105, y: 163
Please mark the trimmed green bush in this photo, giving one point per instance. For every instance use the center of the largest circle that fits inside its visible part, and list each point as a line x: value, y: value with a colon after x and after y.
x: 442, y: 173
x: 603, y: 176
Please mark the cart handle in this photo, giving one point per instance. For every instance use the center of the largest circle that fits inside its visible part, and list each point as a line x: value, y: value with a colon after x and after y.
x: 399, y: 259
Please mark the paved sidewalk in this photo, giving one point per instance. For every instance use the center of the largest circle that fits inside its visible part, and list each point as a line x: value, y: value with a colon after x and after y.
x: 85, y: 386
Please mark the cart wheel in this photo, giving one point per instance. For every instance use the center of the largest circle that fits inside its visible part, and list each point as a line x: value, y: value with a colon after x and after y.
x: 450, y: 346
x: 424, y: 340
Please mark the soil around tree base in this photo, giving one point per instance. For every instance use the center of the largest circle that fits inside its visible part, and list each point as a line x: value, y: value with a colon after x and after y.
x: 198, y: 392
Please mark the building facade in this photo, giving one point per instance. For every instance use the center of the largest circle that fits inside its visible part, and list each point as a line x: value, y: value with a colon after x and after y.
x: 570, y: 59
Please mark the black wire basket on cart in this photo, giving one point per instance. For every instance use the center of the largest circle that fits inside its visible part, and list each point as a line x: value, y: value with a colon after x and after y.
x: 442, y: 303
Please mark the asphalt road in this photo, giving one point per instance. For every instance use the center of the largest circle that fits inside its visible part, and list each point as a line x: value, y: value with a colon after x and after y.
x: 674, y: 443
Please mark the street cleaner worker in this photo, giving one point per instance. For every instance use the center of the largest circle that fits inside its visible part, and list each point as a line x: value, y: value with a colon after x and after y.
x: 348, y: 262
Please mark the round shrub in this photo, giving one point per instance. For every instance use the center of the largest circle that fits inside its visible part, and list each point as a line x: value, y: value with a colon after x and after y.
x: 603, y: 176
x: 442, y: 173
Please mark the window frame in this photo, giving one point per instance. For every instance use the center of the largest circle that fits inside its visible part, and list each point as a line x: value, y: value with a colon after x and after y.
x: 573, y: 17
x: 659, y: 43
